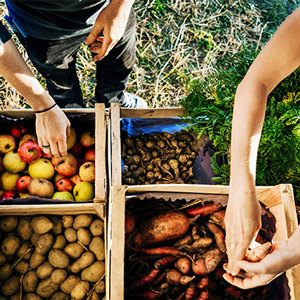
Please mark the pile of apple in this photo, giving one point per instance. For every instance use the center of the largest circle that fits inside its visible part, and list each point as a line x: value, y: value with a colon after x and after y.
x: 26, y: 170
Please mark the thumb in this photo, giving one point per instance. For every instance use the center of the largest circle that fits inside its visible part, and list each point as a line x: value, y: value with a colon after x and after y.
x: 93, y: 35
x: 249, y: 267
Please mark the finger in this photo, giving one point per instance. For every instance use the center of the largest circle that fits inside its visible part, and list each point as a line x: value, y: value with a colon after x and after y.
x: 241, y: 283
x: 93, y: 35
x: 250, y: 267
x: 100, y: 39
x: 54, y: 150
x: 62, y: 148
x: 106, y: 47
x: 95, y: 47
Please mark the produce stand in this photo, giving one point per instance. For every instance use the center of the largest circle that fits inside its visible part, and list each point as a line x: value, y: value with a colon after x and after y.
x: 278, y: 199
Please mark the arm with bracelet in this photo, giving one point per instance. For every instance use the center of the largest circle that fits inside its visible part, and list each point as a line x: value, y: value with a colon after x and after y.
x: 52, y: 125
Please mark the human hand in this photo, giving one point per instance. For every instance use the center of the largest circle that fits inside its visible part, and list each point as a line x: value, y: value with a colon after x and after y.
x: 242, y: 222
x: 53, y: 128
x: 280, y: 259
x: 110, y: 23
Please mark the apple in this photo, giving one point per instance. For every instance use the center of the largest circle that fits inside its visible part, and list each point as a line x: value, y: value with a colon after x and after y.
x: 7, y: 143
x: 46, y: 155
x: 89, y: 154
x: 83, y: 191
x: 87, y: 138
x: 87, y: 171
x: 18, y: 130
x: 64, y: 184
x: 27, y: 137
x: 29, y: 152
x: 24, y: 195
x: 41, y: 187
x: 75, y: 179
x: 10, y: 194
x: 41, y: 168
x: 64, y: 195
x: 76, y: 149
x: 66, y: 166
x: 22, y: 183
x: 57, y: 176
x: 9, y: 181
x: 71, y: 138
x: 13, y: 163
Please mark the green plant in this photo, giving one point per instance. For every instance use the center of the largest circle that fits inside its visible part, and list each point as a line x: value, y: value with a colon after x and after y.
x: 209, y: 107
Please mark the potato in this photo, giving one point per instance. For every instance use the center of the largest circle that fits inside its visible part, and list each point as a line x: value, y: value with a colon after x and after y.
x: 97, y: 247
x: 24, y: 251
x: 58, y: 276
x: 58, y: 226
x: 24, y: 229
x: 22, y: 267
x: 95, y: 296
x: 10, y: 245
x: 10, y: 286
x: 30, y: 281
x: 3, y: 298
x: 74, y: 250
x: 100, y: 287
x: 31, y: 296
x: 82, y: 221
x: 67, y: 221
x: 46, y: 288
x: 8, y: 223
x: 86, y: 259
x: 60, y: 296
x: 97, y: 227
x: 34, y: 238
x: 58, y: 258
x: 84, y: 236
x: 36, y: 260
x: 94, y: 272
x: 60, y: 242
x: 44, y: 243
x: 70, y: 235
x: 2, y: 258
x: 44, y: 270
x: 41, y: 224
x: 5, y: 271
x: 15, y: 296
x: 80, y: 290
x: 68, y: 285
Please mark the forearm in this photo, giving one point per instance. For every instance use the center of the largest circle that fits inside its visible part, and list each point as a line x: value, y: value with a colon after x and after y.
x: 15, y: 70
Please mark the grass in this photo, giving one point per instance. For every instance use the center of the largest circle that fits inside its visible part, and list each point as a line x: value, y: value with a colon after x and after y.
x: 177, y: 42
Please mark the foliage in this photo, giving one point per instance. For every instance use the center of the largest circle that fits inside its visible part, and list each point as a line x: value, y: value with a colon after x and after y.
x: 209, y: 107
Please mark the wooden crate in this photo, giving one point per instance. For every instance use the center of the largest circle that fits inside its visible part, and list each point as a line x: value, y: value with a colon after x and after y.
x: 96, y: 118
x: 97, y: 209
x: 114, y: 135
x: 278, y: 199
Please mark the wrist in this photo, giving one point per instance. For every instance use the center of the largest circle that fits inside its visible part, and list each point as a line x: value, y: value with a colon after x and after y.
x: 293, y: 245
x: 41, y: 102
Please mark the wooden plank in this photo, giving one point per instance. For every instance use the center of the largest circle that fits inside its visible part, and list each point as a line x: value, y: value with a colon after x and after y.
x: 116, y: 171
x: 117, y: 206
x: 100, y: 150
x: 171, y: 112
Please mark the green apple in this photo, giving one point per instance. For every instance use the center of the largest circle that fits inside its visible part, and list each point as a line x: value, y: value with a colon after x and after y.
x: 9, y: 181
x: 83, y: 191
x: 42, y: 168
x: 65, y: 195
x: 13, y: 163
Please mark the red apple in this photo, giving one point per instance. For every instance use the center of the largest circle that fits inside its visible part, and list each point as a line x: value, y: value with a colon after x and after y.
x: 66, y: 166
x: 27, y: 137
x: 22, y: 183
x: 10, y: 194
x: 29, y: 152
x: 18, y: 130
x: 76, y: 149
x: 64, y: 184
x: 87, y: 138
x: 89, y: 154
x: 75, y: 179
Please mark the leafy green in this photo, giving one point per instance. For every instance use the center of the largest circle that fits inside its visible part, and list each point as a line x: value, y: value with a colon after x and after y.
x: 209, y: 108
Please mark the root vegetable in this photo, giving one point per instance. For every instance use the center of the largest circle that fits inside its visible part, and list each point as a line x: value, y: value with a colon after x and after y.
x: 97, y: 247
x: 68, y: 285
x: 36, y: 259
x: 41, y: 224
x: 58, y: 259
x: 80, y: 290
x: 204, y: 210
x: 10, y: 286
x: 212, y: 259
x: 23, y: 252
x: 163, y: 227
x: 70, y: 235
x: 44, y: 271
x: 129, y: 221
x: 44, y: 243
x: 67, y: 221
x: 74, y: 250
x: 218, y: 218
x: 21, y: 267
x: 10, y: 245
x: 82, y: 221
x: 204, y: 295
x: 86, y: 259
x: 145, y: 280
x: 97, y: 227
x: 183, y: 265
x: 163, y: 250
x: 219, y: 236
x: 33, y: 296
x: 201, y: 243
x: 164, y: 261
x: 150, y: 295
x: 190, y: 291
x: 203, y: 282
x: 185, y: 280
x: 174, y: 164
x: 58, y: 276
x: 60, y: 242
x: 100, y: 287
x: 184, y: 241
x: 94, y: 272
x: 84, y: 236
x: 199, y: 267
x: 173, y: 277
x: 30, y: 281
x: 46, y: 288
x: 258, y: 253
x: 8, y: 223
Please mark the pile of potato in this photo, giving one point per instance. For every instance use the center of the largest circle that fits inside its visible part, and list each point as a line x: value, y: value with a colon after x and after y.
x: 159, y: 159
x: 52, y: 257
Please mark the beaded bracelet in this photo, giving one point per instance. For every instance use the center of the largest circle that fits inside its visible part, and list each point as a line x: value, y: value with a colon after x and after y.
x: 46, y: 109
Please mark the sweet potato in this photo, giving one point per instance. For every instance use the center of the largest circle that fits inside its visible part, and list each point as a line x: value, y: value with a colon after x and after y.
x: 164, y: 261
x: 219, y: 236
x: 203, y: 282
x: 183, y: 265
x: 218, y: 218
x: 204, y: 295
x: 212, y: 259
x: 258, y: 253
x: 184, y: 280
x: 160, y: 228
x: 144, y: 280
x: 129, y: 221
x: 190, y: 292
x: 173, y: 277
x: 204, y: 210
x: 199, y: 267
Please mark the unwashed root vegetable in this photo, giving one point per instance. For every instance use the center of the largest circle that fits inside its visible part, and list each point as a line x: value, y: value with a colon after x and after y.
x: 258, y: 253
